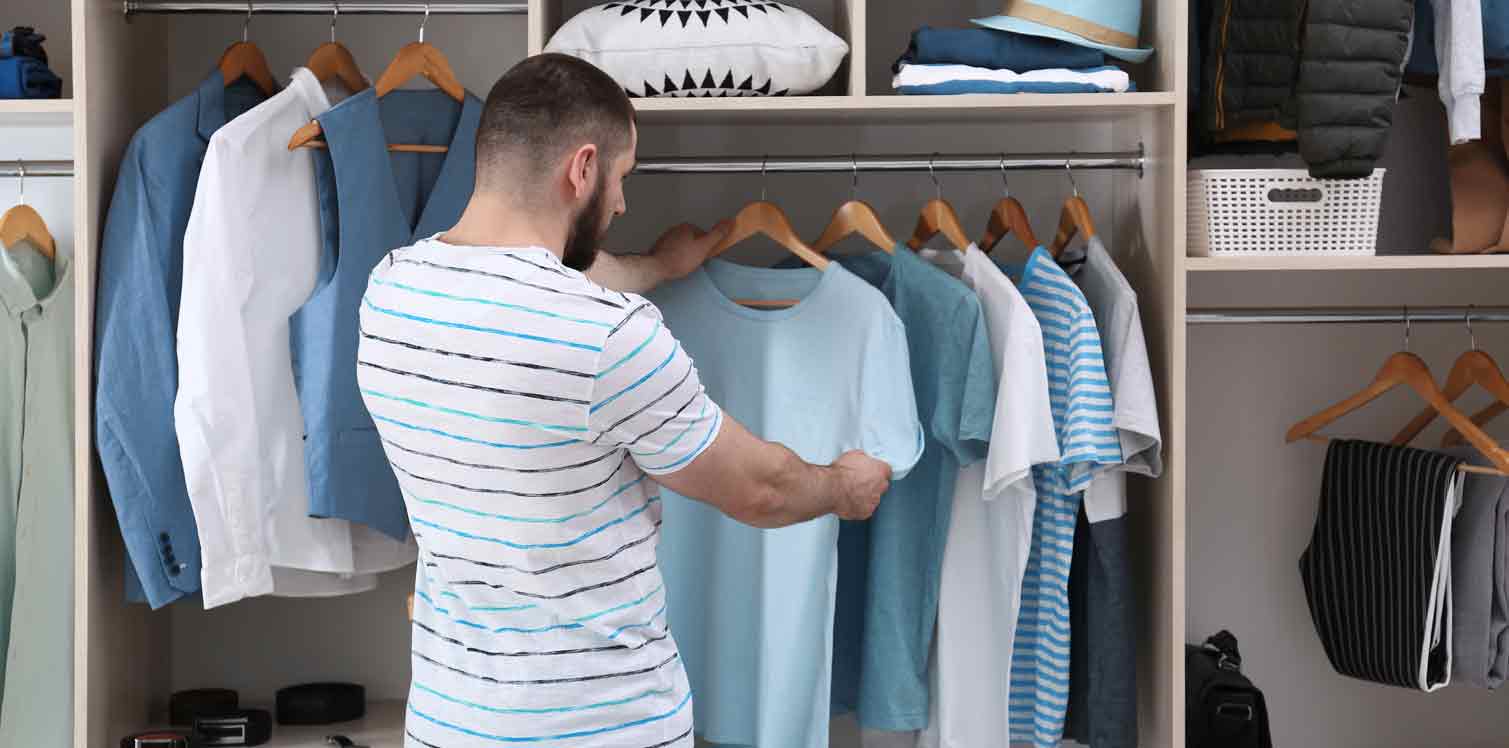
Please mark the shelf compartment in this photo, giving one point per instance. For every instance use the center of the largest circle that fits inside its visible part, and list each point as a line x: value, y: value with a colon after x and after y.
x: 1348, y: 263
x: 882, y: 109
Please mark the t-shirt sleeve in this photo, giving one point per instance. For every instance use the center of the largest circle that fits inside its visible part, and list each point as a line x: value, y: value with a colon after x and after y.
x: 1024, y: 433
x: 891, y: 431
x: 647, y: 398
x: 974, y: 393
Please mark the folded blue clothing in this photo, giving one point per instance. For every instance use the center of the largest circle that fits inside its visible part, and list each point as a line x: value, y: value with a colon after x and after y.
x: 997, y: 87
x: 27, y: 78
x: 990, y: 48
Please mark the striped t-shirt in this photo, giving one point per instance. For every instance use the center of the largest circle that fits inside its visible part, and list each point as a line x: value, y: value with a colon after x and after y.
x: 521, y: 406
x: 1079, y: 394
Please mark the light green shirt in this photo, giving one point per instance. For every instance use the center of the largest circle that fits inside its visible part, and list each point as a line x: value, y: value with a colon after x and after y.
x: 36, y: 498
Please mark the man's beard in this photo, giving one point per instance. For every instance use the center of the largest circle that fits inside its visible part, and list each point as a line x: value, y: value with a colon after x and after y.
x: 586, y: 231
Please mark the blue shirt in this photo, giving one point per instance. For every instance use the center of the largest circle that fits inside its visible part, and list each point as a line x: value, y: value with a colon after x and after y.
x: 381, y: 201
x: 995, y: 49
x: 1080, y: 395
x: 889, y: 567
x: 136, y: 323
x: 752, y: 610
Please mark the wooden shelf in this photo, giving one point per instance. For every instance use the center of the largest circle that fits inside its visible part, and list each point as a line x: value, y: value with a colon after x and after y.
x: 381, y: 728
x: 1348, y: 263
x: 881, y: 109
x: 26, y: 111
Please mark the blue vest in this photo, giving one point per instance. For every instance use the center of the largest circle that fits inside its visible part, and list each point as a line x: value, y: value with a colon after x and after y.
x: 379, y: 201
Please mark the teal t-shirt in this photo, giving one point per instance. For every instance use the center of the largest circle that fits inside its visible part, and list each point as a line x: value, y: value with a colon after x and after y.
x: 752, y: 610
x: 889, y: 567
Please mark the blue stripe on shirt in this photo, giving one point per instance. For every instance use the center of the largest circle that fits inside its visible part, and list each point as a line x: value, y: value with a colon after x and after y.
x: 476, y: 328
x: 535, y: 546
x: 469, y: 414
x: 560, y: 736
x: 470, y: 440
x: 489, y: 302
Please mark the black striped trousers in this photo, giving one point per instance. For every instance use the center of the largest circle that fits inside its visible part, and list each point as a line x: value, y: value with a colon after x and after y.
x: 1377, y: 572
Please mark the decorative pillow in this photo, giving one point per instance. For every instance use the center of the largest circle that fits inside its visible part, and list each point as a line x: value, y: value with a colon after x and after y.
x: 704, y: 48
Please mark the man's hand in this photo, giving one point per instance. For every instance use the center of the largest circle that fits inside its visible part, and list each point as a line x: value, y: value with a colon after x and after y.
x: 864, y: 479
x: 684, y: 248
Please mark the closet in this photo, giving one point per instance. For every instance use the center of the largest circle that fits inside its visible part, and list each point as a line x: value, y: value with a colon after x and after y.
x: 129, y: 60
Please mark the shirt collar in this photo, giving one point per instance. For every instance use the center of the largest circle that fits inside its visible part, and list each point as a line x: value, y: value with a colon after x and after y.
x: 16, y: 294
x: 211, y: 95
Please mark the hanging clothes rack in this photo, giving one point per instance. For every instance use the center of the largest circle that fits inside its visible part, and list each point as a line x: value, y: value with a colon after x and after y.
x: 1346, y: 316
x: 232, y: 7
x: 29, y: 169
x: 851, y: 163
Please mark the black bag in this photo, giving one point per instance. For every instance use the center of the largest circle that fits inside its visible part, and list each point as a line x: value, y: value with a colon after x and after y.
x: 1222, y: 708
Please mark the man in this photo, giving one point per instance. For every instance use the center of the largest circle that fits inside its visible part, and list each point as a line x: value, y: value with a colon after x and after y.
x: 523, y: 394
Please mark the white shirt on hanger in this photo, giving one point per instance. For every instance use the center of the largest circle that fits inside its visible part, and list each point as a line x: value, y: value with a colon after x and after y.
x: 251, y: 254
x: 991, y: 528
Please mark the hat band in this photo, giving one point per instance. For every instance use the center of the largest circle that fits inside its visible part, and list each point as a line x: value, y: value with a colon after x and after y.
x: 1030, y: 11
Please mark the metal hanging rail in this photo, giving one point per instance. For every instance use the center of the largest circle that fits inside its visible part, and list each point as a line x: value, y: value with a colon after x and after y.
x: 257, y: 7
x: 1348, y: 316
x: 1117, y: 160
x: 29, y: 169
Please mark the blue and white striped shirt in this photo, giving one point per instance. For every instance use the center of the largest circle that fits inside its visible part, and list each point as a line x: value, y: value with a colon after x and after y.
x: 521, y: 407
x: 1080, y: 396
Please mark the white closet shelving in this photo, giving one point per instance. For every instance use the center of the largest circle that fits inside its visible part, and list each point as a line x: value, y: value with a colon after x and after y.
x: 123, y: 71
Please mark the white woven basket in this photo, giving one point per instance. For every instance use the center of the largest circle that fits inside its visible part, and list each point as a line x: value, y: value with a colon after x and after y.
x: 1281, y: 211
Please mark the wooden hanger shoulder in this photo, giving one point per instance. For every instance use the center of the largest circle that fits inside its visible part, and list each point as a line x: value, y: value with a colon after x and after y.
x: 854, y: 217
x: 332, y: 60
x: 23, y: 223
x: 245, y: 60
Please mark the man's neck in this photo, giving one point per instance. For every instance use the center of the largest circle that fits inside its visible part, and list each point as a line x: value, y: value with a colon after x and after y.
x: 496, y: 223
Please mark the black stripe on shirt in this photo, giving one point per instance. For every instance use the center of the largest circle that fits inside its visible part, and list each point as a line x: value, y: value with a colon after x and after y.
x: 555, y: 567
x: 668, y: 419
x: 475, y: 357
x: 690, y: 367
x: 546, y: 653
x: 470, y: 386
x: 506, y: 492
x: 628, y: 317
x: 500, y: 276
x: 480, y: 466
x: 548, y: 681
x: 561, y: 596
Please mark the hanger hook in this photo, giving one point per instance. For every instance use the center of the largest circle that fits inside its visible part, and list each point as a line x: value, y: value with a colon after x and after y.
x: 246, y: 23
x: 937, y: 188
x: 1406, y: 328
x: 854, y: 187
x: 1070, y: 169
x: 764, y: 177
x: 1471, y: 336
x: 424, y: 21
x: 21, y: 180
x: 335, y: 15
x: 1005, y: 185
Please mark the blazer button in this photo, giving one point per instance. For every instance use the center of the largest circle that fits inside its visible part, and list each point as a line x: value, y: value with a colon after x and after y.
x: 162, y: 537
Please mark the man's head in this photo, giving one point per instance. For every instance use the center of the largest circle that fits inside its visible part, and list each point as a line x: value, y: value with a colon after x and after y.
x: 557, y: 137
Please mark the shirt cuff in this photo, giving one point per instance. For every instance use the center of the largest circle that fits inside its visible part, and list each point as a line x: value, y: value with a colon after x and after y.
x: 226, y: 581
x: 1464, y: 116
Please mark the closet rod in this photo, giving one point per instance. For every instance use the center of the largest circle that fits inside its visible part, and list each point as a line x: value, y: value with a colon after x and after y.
x: 1116, y: 160
x: 1346, y: 316
x: 257, y: 7
x: 36, y: 169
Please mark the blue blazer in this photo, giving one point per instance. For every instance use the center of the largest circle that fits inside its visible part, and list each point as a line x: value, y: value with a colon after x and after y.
x: 136, y: 324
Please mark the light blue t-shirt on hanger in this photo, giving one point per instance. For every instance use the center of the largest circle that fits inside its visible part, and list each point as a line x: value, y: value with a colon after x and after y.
x: 752, y: 610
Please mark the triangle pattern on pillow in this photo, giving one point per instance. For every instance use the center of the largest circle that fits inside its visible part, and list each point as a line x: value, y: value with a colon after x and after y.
x: 708, y: 85
x: 667, y: 10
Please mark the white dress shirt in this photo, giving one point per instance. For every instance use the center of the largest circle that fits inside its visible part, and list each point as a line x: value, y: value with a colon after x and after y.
x: 251, y: 255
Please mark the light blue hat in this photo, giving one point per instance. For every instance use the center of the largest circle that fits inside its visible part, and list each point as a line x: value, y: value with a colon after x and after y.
x: 1107, y: 25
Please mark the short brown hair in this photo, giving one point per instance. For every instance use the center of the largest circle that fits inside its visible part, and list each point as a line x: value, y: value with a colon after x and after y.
x: 541, y: 107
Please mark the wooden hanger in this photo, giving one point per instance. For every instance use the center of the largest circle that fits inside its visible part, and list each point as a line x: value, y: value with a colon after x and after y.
x: 244, y: 60
x: 938, y: 217
x: 765, y: 217
x: 1007, y: 217
x: 1074, y: 218
x: 855, y: 217
x: 332, y: 60
x: 1472, y: 367
x: 413, y: 60
x: 1406, y: 368
x: 1481, y: 418
x: 22, y: 223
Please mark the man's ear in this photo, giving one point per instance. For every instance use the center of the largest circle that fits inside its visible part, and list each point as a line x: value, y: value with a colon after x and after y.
x: 582, y: 171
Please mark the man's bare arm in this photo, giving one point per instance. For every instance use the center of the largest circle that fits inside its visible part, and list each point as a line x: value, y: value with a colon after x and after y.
x: 679, y: 251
